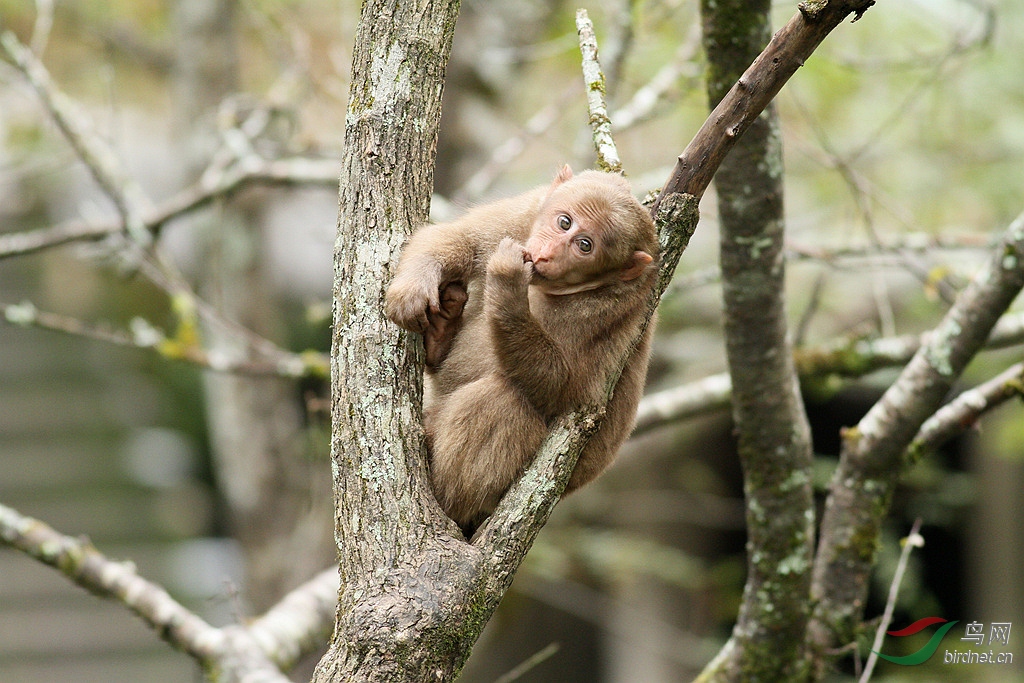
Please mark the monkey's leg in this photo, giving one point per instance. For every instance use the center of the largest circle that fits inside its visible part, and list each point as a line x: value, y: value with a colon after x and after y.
x: 482, y: 436
x: 445, y: 324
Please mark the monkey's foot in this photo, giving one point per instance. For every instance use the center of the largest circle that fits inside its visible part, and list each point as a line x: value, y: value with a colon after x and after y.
x: 443, y: 325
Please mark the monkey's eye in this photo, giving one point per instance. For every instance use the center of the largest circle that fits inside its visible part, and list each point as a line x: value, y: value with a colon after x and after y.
x: 585, y: 245
x: 564, y: 222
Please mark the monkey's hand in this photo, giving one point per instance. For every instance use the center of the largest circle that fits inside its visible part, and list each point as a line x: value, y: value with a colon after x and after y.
x: 510, y: 266
x: 508, y: 278
x: 413, y: 295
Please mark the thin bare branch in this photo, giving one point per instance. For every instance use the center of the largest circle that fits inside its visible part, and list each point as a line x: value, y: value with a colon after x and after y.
x: 607, y: 154
x: 108, y: 171
x: 43, y: 25
x: 843, y: 358
x: 510, y: 150
x: 183, y: 345
x: 621, y: 31
x: 252, y: 170
x: 241, y: 654
x: 966, y: 409
x: 529, y: 664
x: 82, y: 563
x: 646, y: 99
x: 689, y: 400
x: 913, y: 540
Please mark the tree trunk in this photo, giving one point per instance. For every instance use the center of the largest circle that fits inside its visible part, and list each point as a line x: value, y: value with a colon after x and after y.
x: 409, y: 582
x: 771, y: 425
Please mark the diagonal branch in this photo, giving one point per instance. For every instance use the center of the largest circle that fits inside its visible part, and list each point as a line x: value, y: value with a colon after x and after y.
x: 965, y: 410
x: 761, y: 82
x: 129, y: 199
x: 82, y: 563
x: 873, y: 453
x: 296, y: 626
x: 252, y: 170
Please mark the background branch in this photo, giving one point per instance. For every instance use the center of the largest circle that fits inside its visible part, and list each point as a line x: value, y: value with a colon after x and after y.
x: 99, y: 158
x: 845, y: 358
x: 296, y: 626
x: 593, y: 78
x: 252, y: 170
x: 872, y: 456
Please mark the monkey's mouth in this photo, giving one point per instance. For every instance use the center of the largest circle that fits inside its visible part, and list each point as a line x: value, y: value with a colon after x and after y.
x: 538, y: 276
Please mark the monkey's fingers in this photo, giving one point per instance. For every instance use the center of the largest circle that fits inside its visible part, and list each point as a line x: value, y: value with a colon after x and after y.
x: 510, y: 261
x: 409, y: 313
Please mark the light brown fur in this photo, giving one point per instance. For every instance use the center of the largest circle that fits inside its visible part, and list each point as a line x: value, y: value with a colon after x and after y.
x: 541, y: 329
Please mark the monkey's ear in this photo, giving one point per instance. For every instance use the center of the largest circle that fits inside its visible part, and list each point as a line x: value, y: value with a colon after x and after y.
x: 636, y: 266
x: 563, y: 174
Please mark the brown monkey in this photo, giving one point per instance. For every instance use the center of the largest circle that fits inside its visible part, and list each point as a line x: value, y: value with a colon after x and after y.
x: 526, y: 305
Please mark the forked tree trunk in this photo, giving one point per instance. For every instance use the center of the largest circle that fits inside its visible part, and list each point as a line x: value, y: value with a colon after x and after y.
x: 405, y: 608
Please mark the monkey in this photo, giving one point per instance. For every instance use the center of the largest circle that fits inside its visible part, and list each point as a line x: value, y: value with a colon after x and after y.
x: 526, y: 305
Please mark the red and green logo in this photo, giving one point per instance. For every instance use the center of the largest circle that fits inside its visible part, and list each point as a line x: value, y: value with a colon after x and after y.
x: 929, y: 648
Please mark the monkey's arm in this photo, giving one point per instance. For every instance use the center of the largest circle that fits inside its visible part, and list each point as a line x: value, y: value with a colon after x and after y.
x: 452, y: 252
x: 531, y: 360
x: 434, y: 256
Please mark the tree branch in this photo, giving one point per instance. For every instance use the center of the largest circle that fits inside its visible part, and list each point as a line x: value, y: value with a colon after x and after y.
x: 913, y: 540
x: 641, y: 106
x: 607, y: 154
x: 965, y: 410
x: 788, y: 50
x: 873, y: 453
x: 251, y: 170
x: 127, y: 195
x: 300, y: 622
x: 847, y: 358
x: 184, y: 345
x: 229, y: 650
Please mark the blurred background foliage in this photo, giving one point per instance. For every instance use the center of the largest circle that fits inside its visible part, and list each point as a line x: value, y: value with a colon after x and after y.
x: 904, y: 137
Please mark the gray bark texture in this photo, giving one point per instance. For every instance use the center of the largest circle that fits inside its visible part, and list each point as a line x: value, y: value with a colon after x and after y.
x: 406, y: 607
x: 771, y: 425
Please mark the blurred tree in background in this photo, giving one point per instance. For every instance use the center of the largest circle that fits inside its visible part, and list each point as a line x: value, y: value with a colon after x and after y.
x: 183, y: 423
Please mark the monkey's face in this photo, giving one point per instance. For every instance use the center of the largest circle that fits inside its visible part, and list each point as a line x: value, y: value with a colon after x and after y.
x: 589, y: 232
x: 565, y: 248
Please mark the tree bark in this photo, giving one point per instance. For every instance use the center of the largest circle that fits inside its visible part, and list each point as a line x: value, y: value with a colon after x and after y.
x: 771, y: 425
x: 406, y: 607
x: 874, y: 453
